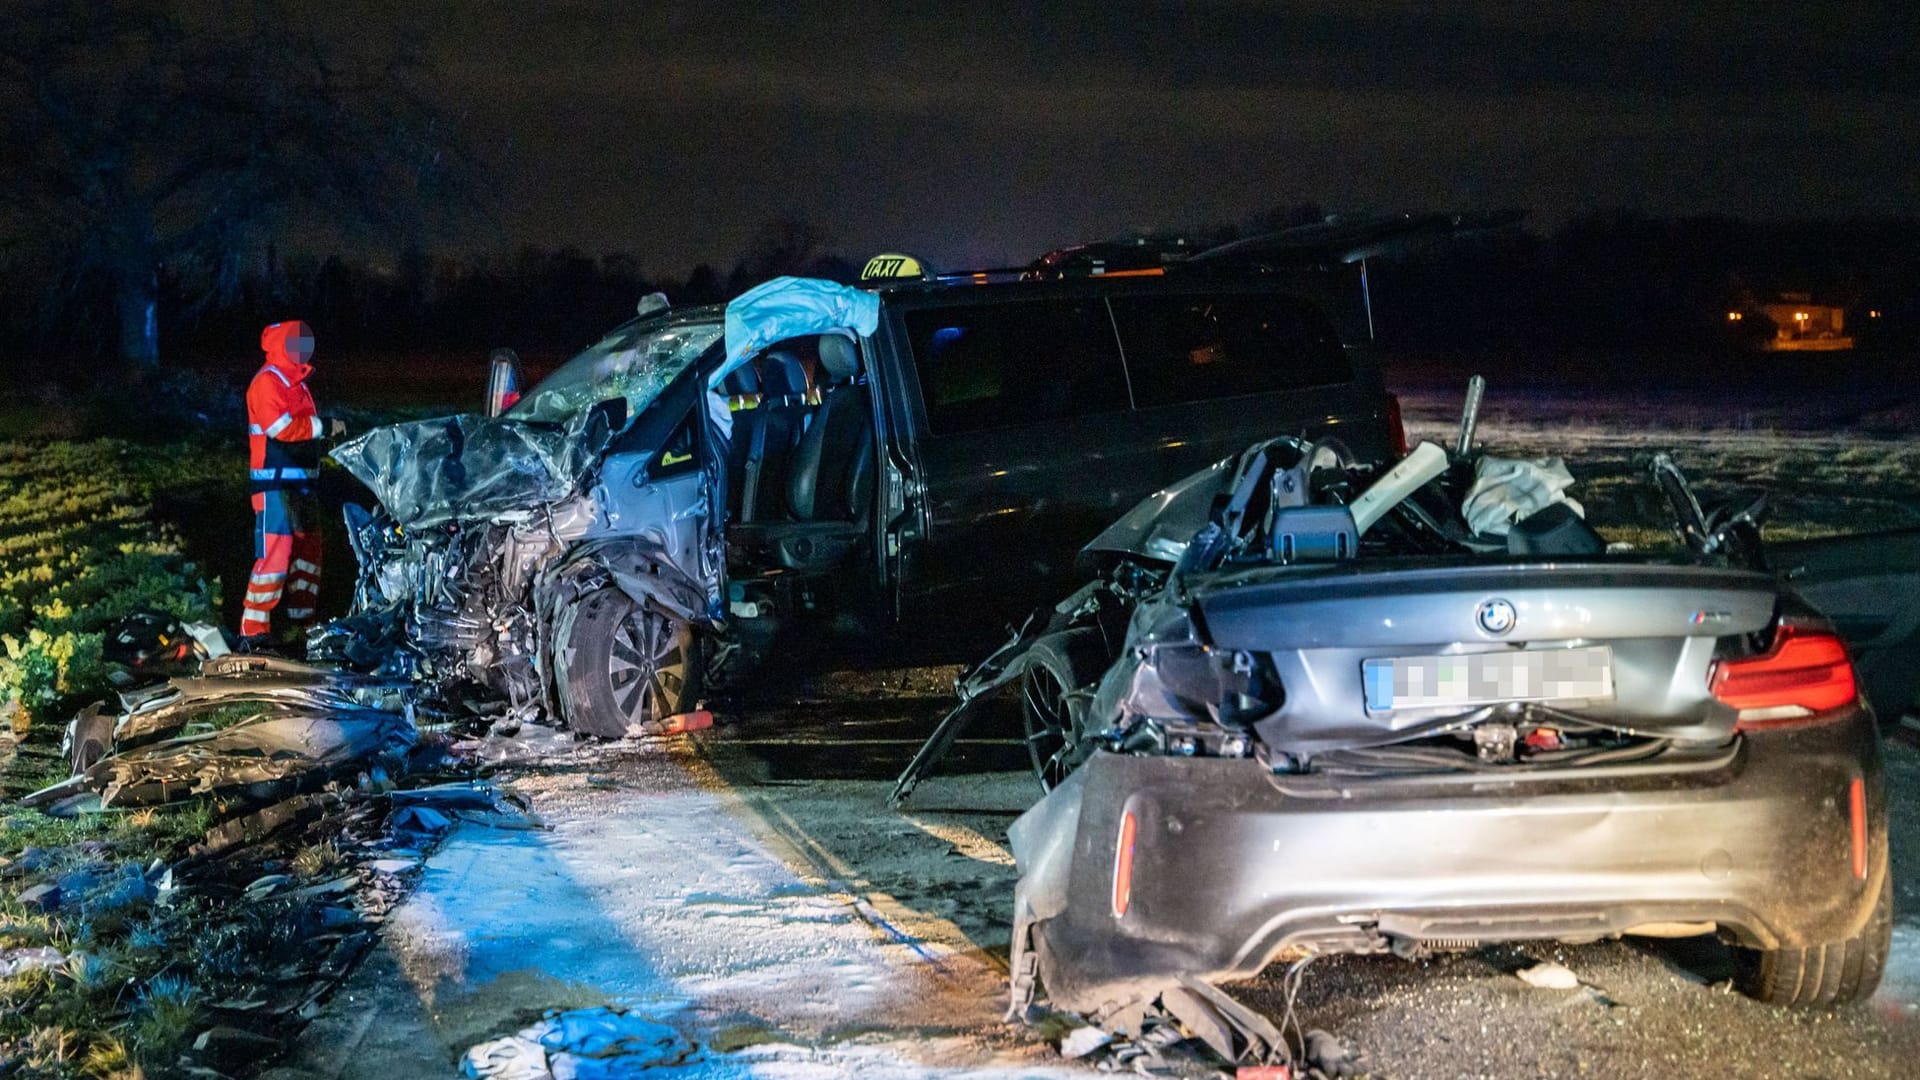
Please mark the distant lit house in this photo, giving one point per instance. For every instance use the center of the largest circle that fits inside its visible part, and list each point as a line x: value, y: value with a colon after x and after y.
x: 1798, y: 324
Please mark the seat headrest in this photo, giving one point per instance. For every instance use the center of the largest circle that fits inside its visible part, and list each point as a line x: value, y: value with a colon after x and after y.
x: 781, y: 374
x: 839, y: 357
x: 742, y: 380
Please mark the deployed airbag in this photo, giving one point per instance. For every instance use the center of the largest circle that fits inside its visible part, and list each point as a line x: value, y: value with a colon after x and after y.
x: 1506, y: 490
x: 789, y: 307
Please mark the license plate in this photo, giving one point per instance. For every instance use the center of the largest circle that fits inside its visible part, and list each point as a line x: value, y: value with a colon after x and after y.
x: 1469, y: 679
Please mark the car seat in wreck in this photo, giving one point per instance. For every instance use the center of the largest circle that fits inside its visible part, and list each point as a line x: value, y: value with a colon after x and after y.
x: 765, y: 435
x: 821, y: 511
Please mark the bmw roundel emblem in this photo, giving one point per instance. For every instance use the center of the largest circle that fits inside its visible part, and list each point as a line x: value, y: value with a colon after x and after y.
x: 1496, y: 616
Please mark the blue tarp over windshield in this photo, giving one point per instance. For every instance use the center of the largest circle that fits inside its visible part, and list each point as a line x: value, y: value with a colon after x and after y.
x: 790, y: 307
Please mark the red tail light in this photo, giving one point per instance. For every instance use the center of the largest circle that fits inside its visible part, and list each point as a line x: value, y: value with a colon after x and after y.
x: 1123, y: 865
x: 1804, y: 673
x: 1396, y: 426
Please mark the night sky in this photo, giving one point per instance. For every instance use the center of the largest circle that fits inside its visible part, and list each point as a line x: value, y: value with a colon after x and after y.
x: 978, y: 133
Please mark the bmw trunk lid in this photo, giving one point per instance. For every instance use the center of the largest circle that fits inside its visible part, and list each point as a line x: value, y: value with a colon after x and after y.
x: 1369, y: 656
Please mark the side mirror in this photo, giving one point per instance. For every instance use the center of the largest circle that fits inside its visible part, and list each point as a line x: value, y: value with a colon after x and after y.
x: 503, y: 380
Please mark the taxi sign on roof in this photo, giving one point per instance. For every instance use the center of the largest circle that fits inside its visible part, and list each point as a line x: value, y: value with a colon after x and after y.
x: 892, y: 266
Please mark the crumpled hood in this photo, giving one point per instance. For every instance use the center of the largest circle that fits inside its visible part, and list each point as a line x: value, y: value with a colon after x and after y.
x: 468, y: 466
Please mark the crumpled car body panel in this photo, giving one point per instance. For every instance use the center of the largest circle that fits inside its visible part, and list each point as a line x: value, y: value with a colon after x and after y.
x: 493, y: 529
x: 429, y: 472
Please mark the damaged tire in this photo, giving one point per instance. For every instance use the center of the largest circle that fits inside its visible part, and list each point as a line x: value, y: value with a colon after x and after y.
x: 1839, y: 973
x: 1057, y: 666
x: 625, y: 665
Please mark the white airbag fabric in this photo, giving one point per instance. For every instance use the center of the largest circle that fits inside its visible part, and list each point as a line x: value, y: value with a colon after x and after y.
x: 1506, y: 490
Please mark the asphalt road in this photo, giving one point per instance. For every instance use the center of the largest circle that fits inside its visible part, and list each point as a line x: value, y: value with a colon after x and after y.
x: 751, y: 886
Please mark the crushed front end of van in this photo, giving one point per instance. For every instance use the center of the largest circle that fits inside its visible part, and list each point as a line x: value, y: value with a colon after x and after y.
x: 561, y: 562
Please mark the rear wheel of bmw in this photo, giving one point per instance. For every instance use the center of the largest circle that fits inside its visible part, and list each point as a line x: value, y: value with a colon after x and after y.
x: 625, y: 666
x: 1059, y: 665
x: 1837, y: 973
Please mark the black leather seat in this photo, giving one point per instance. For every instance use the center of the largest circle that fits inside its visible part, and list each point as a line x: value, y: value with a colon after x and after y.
x: 831, y: 472
x: 765, y: 436
x: 829, y: 475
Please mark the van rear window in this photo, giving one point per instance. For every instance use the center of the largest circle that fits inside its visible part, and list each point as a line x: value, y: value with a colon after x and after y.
x: 1192, y: 348
x: 1005, y: 364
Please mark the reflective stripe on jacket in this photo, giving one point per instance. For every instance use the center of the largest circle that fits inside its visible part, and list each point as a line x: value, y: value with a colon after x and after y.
x: 283, y: 428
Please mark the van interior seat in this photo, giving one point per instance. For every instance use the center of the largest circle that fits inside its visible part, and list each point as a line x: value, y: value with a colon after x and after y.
x: 765, y: 436
x: 826, y: 478
x: 831, y: 474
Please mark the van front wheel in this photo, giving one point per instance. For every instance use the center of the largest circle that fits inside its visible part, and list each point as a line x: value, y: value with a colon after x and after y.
x: 625, y: 666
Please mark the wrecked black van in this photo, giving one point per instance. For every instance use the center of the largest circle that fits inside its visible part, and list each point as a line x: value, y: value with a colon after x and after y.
x: 898, y: 456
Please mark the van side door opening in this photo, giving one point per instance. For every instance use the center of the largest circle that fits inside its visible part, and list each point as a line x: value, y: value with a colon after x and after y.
x: 801, y: 467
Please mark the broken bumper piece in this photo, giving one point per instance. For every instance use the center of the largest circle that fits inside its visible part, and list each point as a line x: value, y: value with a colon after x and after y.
x: 255, y: 723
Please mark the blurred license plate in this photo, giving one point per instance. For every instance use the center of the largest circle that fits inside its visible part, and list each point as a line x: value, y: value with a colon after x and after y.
x: 1468, y: 679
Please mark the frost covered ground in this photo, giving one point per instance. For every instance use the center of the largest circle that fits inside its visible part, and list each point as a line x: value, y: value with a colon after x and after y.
x: 792, y: 928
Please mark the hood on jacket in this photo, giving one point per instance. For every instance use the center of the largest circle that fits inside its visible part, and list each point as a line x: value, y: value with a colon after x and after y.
x: 287, y: 345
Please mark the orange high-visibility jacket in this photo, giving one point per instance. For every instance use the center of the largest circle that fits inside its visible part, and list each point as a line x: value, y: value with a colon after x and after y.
x: 283, y: 429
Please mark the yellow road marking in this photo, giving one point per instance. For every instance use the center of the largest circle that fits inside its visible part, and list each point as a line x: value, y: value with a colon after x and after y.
x: 964, y: 840
x: 821, y: 869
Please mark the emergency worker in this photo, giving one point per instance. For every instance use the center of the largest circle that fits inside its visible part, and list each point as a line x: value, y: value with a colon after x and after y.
x: 284, y: 434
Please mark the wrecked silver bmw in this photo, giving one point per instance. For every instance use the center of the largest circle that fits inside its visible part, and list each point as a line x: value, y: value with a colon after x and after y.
x: 1318, y: 706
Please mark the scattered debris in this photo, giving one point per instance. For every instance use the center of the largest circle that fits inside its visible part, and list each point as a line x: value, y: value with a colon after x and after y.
x: 1548, y: 975
x: 267, y: 749
x: 518, y: 743
x: 231, y: 1049
x: 1082, y: 1041
x: 29, y: 958
x: 1329, y: 1055
x: 508, y: 1058
x: 580, y: 1044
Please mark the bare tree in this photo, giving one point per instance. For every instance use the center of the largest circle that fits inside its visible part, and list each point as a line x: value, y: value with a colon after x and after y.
x: 139, y: 140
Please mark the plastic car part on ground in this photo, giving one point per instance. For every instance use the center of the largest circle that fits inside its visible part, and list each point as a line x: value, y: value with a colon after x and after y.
x: 580, y: 1044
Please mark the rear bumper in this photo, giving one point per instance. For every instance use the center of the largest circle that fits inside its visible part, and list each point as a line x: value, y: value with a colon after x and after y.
x: 1232, y: 865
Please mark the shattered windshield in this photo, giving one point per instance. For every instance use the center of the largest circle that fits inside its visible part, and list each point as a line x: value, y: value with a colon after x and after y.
x: 635, y: 361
